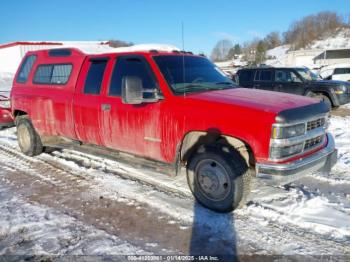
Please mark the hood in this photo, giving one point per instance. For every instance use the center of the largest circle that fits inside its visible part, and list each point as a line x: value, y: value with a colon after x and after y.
x: 267, y: 101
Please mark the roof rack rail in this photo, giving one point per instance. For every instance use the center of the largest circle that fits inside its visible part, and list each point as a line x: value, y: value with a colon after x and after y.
x: 154, y: 51
x: 176, y: 51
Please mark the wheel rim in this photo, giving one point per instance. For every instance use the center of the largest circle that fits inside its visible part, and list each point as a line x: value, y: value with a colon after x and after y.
x: 23, y: 137
x: 212, y: 179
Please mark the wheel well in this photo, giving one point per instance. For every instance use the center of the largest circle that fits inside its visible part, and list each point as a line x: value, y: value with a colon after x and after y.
x: 321, y: 93
x: 18, y: 113
x: 194, y: 141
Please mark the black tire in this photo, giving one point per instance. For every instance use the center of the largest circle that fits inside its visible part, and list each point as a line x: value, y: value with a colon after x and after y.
x: 322, y: 97
x: 28, y: 139
x: 236, y: 186
x: 326, y: 100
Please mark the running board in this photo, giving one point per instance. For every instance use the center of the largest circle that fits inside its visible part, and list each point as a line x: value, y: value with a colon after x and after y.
x: 59, y: 142
x: 136, y: 161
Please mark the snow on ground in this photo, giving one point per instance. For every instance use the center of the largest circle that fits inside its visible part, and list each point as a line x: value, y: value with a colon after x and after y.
x: 340, y: 40
x: 277, y: 55
x: 27, y: 229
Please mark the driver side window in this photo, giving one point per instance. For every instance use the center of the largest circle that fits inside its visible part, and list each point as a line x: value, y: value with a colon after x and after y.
x: 131, y: 66
x: 286, y: 76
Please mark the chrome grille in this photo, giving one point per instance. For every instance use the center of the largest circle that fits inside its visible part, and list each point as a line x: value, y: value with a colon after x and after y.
x: 313, y: 142
x: 315, y: 123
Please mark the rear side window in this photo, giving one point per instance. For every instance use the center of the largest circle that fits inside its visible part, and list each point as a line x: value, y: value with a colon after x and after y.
x: 52, y: 74
x: 265, y: 75
x: 26, y: 67
x: 94, y: 78
x: 246, y: 75
x: 130, y: 66
x: 341, y: 71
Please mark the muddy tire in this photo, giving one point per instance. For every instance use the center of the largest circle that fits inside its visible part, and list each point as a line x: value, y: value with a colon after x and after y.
x: 219, y: 178
x: 28, y: 139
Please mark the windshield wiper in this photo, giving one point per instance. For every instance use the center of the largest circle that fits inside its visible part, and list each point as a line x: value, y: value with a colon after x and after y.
x: 192, y: 86
x: 224, y: 83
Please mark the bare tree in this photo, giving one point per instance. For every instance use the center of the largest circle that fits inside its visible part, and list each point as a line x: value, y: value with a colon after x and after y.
x: 221, y: 50
x: 273, y: 40
x: 303, y: 32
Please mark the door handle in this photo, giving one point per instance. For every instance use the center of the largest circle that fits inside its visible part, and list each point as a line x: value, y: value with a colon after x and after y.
x: 256, y: 85
x: 106, y: 107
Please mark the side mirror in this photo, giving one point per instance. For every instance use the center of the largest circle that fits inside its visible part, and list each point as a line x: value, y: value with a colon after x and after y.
x: 133, y: 91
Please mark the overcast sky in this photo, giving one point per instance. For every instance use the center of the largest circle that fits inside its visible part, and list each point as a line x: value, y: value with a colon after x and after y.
x: 154, y: 21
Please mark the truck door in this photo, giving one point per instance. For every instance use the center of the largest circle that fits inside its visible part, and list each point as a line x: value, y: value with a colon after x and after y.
x: 264, y: 80
x: 131, y: 128
x: 246, y: 78
x: 87, y: 101
x: 288, y: 81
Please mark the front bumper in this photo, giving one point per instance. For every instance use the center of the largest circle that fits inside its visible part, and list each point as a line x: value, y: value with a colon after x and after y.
x: 279, y: 174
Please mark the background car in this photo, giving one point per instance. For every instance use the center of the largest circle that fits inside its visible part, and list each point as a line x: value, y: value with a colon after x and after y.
x: 6, y: 119
x: 297, y: 80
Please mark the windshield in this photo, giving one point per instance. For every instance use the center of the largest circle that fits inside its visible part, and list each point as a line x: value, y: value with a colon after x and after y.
x: 307, y: 74
x: 188, y: 74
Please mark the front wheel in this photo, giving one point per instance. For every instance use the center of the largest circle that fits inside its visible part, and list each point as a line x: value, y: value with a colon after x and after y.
x: 28, y: 139
x: 219, y: 178
x: 321, y: 97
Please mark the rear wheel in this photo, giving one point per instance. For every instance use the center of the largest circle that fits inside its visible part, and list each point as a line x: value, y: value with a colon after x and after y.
x: 28, y: 139
x: 219, y: 178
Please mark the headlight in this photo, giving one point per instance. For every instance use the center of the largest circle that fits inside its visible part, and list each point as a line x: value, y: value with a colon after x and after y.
x: 340, y: 90
x: 5, y: 104
x: 282, y: 152
x: 281, y: 132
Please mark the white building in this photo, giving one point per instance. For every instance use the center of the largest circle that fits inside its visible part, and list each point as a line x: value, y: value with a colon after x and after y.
x: 301, y: 57
x: 11, y: 54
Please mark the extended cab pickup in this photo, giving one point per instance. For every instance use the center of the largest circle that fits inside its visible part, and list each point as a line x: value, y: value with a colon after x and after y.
x: 173, y: 108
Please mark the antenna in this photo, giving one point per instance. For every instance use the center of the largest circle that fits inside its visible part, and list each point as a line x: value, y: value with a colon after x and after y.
x: 183, y: 55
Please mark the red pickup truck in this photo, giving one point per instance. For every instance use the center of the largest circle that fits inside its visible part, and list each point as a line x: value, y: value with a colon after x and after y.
x: 173, y: 108
x: 6, y: 119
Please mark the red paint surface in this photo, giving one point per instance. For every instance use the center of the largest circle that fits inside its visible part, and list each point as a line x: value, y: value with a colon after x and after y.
x: 64, y: 110
x: 5, y: 113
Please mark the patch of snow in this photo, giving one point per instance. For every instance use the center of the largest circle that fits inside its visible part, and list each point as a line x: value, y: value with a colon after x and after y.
x: 340, y: 127
x: 340, y: 40
x: 28, y: 229
x: 316, y: 214
x: 277, y: 55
